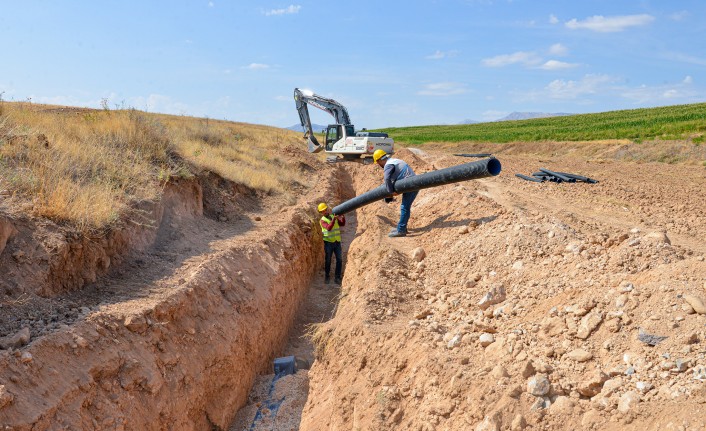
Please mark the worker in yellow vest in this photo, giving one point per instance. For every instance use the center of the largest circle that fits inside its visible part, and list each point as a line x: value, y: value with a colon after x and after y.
x: 331, y: 230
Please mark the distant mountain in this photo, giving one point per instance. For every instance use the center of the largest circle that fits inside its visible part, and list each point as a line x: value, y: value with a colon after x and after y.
x: 298, y: 127
x: 530, y: 115
x: 469, y: 122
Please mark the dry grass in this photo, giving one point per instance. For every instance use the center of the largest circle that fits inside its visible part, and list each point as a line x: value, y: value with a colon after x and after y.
x: 88, y: 167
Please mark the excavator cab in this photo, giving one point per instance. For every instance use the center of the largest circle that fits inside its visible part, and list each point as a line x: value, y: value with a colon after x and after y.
x: 333, y: 134
x: 336, y: 132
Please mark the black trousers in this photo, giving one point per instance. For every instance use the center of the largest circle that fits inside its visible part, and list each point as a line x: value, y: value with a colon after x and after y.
x: 329, y: 249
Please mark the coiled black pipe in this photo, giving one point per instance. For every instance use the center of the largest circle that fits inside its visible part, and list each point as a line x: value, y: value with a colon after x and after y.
x: 467, y: 171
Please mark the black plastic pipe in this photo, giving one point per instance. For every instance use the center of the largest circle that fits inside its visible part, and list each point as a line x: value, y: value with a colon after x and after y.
x: 467, y: 171
x: 474, y: 155
x: 534, y: 179
x: 558, y: 175
x: 579, y: 178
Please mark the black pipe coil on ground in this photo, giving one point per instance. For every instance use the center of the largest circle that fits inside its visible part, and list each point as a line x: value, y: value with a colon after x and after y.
x: 467, y: 171
x: 535, y: 179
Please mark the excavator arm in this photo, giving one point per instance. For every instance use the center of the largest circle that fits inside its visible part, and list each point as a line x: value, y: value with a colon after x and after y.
x: 303, y: 98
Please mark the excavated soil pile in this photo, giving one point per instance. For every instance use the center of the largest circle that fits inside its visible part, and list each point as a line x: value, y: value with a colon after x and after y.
x: 515, y: 305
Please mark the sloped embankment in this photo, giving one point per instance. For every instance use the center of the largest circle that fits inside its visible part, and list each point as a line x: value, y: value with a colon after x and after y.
x: 517, y: 305
x: 173, y: 337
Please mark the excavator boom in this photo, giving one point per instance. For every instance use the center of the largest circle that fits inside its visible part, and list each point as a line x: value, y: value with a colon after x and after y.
x: 341, y: 138
x: 302, y: 98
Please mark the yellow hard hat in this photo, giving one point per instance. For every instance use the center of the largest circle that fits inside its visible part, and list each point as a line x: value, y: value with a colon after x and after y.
x: 378, y: 154
x: 322, y: 206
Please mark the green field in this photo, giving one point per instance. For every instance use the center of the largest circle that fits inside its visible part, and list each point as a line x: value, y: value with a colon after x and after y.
x: 669, y: 123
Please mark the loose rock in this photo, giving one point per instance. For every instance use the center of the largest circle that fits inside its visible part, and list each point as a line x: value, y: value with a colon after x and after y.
x: 696, y: 303
x: 538, y: 385
x: 628, y: 401
x: 588, y: 323
x: 495, y: 296
x: 5, y: 397
x: 136, y: 323
x: 418, y: 254
x: 579, y: 355
x: 17, y: 340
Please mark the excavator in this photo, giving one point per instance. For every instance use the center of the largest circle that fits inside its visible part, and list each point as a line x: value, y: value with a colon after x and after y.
x: 341, y: 138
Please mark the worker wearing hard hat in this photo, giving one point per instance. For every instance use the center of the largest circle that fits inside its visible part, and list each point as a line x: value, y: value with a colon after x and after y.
x: 396, y: 169
x: 331, y: 230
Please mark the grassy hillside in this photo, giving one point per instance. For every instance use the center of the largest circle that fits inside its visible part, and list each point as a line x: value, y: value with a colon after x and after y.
x: 672, y: 122
x: 86, y: 167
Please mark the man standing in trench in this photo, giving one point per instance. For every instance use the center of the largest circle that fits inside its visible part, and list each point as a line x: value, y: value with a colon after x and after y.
x: 396, y: 169
x: 330, y: 228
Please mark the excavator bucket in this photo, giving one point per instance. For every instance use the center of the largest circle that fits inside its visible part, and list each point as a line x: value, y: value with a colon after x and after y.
x: 314, y: 146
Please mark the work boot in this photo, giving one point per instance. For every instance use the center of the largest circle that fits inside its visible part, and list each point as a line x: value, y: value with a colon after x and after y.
x: 337, y: 281
x: 396, y: 233
x: 327, y: 280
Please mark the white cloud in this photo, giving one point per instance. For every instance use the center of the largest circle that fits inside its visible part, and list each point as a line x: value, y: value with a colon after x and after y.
x: 291, y: 9
x: 256, y: 66
x: 610, y: 24
x: 678, y: 16
x: 558, y: 49
x: 688, y: 80
x: 553, y: 19
x: 443, y: 89
x: 590, y: 84
x: 525, y: 58
x: 669, y: 93
x: 438, y: 55
x: 557, y: 65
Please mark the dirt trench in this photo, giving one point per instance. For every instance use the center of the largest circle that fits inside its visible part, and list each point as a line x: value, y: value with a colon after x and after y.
x: 173, y: 333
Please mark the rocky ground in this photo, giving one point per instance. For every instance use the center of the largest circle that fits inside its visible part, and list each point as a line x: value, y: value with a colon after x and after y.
x: 517, y: 305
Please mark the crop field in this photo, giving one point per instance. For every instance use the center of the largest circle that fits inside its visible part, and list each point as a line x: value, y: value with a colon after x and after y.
x: 669, y: 123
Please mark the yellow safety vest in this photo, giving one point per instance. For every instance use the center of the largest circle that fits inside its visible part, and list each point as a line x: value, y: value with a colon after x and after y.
x: 332, y: 235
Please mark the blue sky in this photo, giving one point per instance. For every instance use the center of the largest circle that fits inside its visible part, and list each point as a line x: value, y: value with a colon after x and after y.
x: 390, y: 63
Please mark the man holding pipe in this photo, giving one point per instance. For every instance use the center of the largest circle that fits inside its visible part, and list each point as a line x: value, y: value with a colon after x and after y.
x: 330, y: 228
x: 396, y: 169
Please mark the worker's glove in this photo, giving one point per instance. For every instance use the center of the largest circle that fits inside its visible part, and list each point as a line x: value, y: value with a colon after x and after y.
x: 389, y: 199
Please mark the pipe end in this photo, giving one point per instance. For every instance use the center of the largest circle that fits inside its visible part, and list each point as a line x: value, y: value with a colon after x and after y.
x: 494, y: 166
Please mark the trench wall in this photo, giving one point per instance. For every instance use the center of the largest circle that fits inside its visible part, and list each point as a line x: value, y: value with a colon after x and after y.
x: 182, y: 360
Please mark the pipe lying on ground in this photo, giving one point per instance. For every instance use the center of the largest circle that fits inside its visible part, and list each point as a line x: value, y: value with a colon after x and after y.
x: 551, y: 177
x: 528, y: 178
x: 558, y: 175
x: 474, y: 155
x: 467, y: 171
x: 579, y: 178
